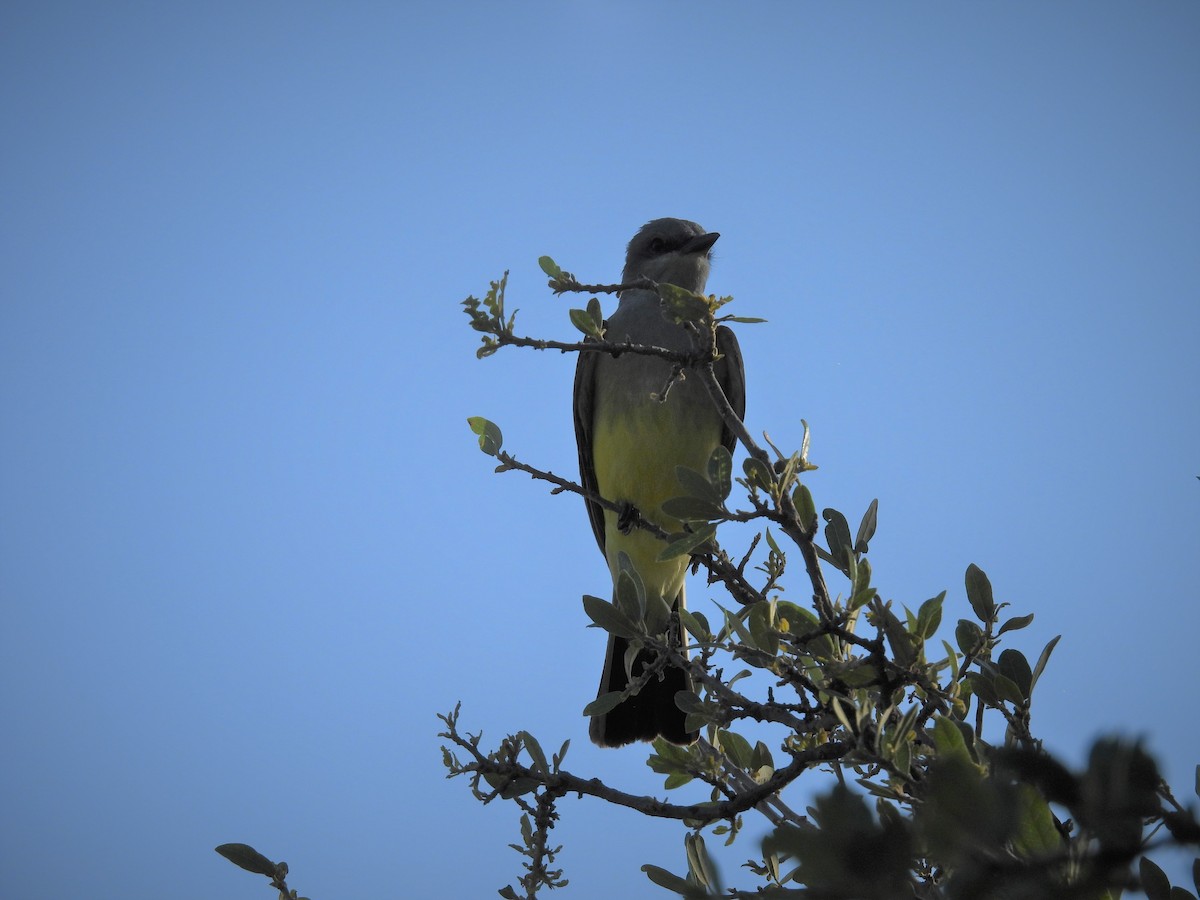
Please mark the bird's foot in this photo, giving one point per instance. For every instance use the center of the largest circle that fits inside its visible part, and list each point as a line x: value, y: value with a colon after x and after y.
x: 628, y: 518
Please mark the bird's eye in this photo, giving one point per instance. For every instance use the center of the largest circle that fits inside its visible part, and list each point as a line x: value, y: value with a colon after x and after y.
x: 658, y: 245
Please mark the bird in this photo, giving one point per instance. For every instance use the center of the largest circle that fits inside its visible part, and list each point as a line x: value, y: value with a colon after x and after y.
x: 630, y: 442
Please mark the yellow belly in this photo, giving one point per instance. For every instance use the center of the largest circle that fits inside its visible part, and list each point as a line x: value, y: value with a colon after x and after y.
x: 635, y: 454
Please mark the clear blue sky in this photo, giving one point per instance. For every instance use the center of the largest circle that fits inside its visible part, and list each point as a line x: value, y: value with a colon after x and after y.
x: 248, y: 548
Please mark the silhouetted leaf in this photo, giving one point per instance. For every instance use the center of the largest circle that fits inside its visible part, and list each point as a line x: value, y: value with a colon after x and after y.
x: 665, y: 879
x: 1015, y: 623
x: 535, y: 752
x: 1041, y: 770
x: 246, y: 857
x: 866, y: 528
x: 1041, y: 665
x: 837, y: 535
x: 979, y: 593
x: 1015, y: 666
x: 1154, y: 881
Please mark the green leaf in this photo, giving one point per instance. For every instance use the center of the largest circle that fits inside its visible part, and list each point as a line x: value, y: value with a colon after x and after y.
x: 1041, y: 665
x: 979, y: 592
x: 734, y: 625
x: 860, y: 674
x: 585, y: 322
x: 246, y: 857
x: 561, y: 754
x: 700, y: 867
x: 837, y: 535
x: 929, y: 616
x: 696, y: 624
x: 490, y: 438
x: 737, y: 748
x: 758, y: 473
x: 550, y: 267
x: 691, y: 509
x: 603, y: 704
x: 900, y: 640
x: 866, y: 528
x: 952, y: 659
x: 745, y: 320
x: 969, y: 636
x: 608, y: 617
x: 1007, y: 689
x: 907, y: 724
x: 696, y: 485
x: 676, y: 780
x: 948, y: 738
x: 535, y: 752
x: 630, y: 595
x: 1015, y: 623
x: 685, y: 542
x: 765, y: 637
x: 983, y: 688
x: 679, y: 305
x: 665, y: 879
x: 720, y: 472
x: 805, y: 508
x: 800, y: 622
x: 597, y: 314
x: 1036, y: 835
x: 862, y: 578
x: 762, y: 758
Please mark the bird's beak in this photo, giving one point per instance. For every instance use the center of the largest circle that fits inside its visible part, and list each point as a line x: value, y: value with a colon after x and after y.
x: 700, y: 244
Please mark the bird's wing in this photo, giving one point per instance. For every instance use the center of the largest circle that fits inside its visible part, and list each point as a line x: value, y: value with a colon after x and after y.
x: 731, y: 375
x: 585, y: 392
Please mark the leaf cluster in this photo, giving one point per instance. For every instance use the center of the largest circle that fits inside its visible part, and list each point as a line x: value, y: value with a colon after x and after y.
x: 866, y: 689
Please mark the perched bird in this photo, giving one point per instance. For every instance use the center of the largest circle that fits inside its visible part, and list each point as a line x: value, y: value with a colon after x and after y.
x: 629, y: 445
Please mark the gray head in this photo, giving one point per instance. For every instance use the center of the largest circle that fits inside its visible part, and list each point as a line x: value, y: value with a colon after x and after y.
x: 672, y: 251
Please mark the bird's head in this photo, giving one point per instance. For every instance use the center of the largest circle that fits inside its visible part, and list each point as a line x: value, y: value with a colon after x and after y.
x: 671, y: 251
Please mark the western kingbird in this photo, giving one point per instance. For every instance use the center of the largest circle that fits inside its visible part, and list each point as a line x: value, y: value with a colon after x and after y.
x: 629, y: 445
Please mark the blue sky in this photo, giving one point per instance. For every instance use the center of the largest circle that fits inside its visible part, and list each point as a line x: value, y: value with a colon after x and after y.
x: 248, y: 548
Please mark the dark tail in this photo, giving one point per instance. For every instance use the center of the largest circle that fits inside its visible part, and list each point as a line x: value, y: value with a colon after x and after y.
x: 652, y: 712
